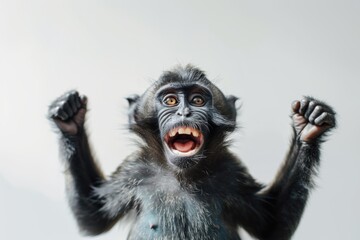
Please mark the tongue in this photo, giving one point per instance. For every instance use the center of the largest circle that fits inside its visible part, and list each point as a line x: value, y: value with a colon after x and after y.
x: 184, y: 146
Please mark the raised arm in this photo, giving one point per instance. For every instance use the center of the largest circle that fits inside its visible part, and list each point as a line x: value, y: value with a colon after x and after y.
x: 85, y: 183
x: 282, y: 202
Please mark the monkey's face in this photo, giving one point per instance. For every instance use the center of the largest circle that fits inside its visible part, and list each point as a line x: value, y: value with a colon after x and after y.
x: 183, y: 115
x: 191, y: 114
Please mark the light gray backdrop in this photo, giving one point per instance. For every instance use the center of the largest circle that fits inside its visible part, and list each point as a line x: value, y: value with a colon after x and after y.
x: 266, y: 52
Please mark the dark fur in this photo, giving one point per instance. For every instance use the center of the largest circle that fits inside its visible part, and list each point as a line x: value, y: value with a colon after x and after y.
x: 209, y: 198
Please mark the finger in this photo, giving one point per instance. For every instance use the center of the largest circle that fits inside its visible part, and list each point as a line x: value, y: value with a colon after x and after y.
x: 84, y: 101
x: 77, y: 101
x: 73, y: 92
x: 53, y: 111
x: 79, y: 118
x: 303, y: 106
x: 72, y: 103
x: 318, y: 110
x: 313, y: 133
x: 325, y: 118
x: 310, y: 109
x: 67, y: 108
x: 295, y: 105
x: 60, y: 113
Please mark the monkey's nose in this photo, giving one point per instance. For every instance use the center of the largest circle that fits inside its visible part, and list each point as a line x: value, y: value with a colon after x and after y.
x: 184, y: 112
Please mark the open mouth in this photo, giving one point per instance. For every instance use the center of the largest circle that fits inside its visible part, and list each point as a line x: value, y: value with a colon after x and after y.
x: 184, y: 141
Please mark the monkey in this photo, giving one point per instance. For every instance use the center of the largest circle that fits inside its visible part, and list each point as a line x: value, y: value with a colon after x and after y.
x: 183, y: 182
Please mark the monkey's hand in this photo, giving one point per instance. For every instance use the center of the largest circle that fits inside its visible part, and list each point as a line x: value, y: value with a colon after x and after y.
x: 68, y: 112
x: 312, y: 118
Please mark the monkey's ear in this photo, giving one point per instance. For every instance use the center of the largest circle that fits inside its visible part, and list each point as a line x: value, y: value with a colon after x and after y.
x: 132, y: 100
x: 231, y: 100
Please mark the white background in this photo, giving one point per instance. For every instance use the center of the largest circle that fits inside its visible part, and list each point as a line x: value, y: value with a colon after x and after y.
x: 266, y: 52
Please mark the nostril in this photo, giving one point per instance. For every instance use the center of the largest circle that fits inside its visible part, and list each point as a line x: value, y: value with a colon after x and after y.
x: 186, y: 112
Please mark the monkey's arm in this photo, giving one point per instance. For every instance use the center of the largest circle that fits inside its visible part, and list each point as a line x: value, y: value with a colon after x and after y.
x: 84, y: 180
x: 289, y: 192
x: 284, y: 200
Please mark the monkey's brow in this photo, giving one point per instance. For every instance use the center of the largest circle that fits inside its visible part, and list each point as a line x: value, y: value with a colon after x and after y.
x: 185, y: 87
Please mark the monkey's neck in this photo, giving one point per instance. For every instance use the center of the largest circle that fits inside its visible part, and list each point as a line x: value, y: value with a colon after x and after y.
x: 205, y: 169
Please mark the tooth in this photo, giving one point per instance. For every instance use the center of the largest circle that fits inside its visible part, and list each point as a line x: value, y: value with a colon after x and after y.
x: 188, y: 131
x: 172, y: 133
x: 195, y: 133
x: 181, y: 130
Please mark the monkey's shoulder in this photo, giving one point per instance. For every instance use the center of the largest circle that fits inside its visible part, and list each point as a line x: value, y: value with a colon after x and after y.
x: 232, y: 179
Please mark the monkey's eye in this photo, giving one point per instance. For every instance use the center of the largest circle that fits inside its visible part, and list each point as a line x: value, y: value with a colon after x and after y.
x: 198, y: 101
x: 170, y: 101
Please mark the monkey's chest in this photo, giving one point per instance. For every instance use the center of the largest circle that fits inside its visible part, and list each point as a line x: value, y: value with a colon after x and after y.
x: 175, y: 214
